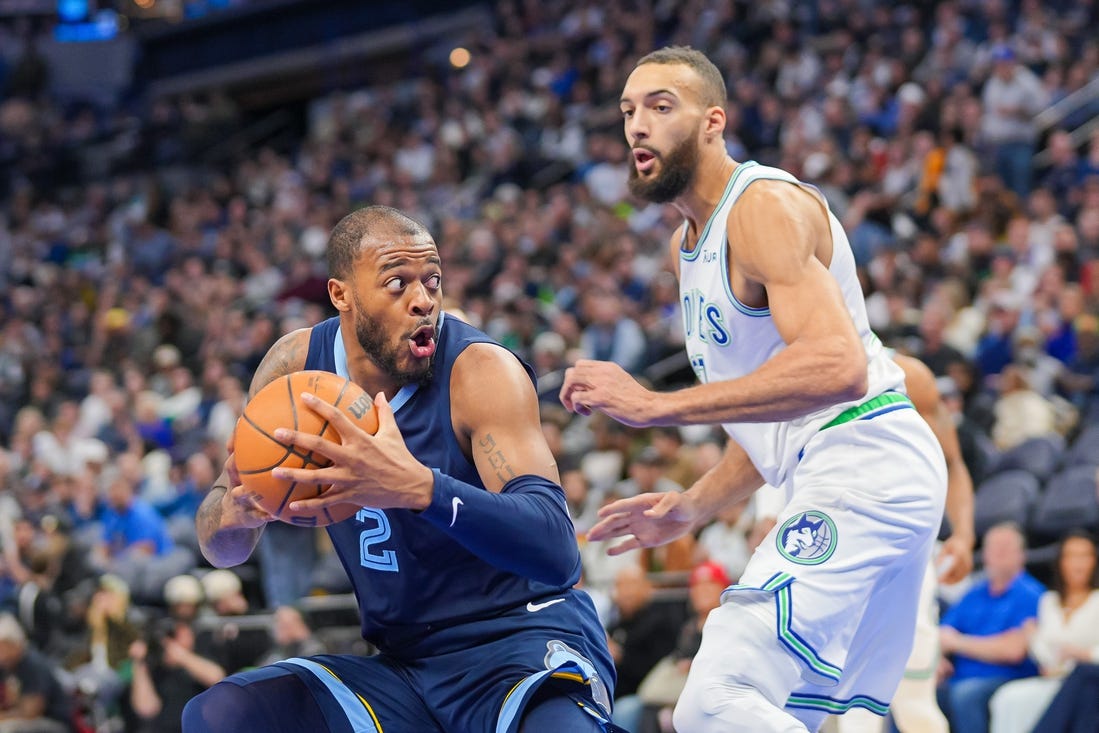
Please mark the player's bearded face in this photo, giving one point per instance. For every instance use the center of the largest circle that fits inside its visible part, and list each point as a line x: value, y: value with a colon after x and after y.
x: 671, y: 175
x: 389, y: 352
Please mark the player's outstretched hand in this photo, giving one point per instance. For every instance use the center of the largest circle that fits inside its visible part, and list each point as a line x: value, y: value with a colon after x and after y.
x: 646, y: 520
x: 604, y: 386
x: 955, y: 560
x: 367, y: 470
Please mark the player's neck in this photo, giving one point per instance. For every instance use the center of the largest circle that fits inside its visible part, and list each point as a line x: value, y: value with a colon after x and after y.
x: 698, y: 203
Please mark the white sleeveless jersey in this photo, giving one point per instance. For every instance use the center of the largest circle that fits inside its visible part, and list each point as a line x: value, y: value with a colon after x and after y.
x: 726, y: 339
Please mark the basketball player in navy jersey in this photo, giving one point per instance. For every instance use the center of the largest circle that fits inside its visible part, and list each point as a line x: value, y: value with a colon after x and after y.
x: 776, y: 330
x: 463, y: 557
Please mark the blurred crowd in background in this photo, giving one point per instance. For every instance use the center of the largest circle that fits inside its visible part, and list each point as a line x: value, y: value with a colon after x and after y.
x: 140, y: 287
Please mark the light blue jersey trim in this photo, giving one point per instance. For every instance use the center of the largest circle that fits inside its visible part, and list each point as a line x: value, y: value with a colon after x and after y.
x: 352, y: 705
x: 779, y: 585
x: 339, y: 355
x: 837, y: 707
x: 693, y: 255
x: 515, y: 700
x: 745, y: 309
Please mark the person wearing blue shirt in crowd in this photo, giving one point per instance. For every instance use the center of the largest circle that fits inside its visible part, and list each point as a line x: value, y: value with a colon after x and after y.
x: 983, y: 632
x: 131, y: 524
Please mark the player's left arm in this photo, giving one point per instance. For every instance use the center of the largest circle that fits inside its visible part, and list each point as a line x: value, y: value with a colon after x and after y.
x: 494, y: 403
x: 957, y: 551
x: 521, y: 524
x: 774, y: 233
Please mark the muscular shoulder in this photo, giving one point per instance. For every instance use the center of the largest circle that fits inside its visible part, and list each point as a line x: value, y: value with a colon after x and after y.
x: 774, y: 224
x: 765, y: 202
x: 487, y: 377
x: 287, y: 355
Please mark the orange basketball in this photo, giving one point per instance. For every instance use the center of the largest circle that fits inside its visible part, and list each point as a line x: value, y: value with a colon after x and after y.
x: 279, y: 405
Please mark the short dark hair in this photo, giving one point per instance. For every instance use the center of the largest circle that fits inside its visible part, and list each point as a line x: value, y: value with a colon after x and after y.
x: 348, y: 235
x: 713, y: 84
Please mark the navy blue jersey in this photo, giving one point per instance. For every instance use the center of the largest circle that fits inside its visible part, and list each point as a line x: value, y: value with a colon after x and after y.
x: 411, y: 580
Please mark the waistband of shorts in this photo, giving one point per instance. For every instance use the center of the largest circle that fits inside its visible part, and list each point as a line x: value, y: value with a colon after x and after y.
x: 885, y: 402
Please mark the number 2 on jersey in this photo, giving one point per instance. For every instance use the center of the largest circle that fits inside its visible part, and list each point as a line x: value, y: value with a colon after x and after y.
x: 385, y: 560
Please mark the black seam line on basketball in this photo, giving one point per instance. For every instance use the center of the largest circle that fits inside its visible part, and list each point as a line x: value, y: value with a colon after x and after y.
x: 266, y: 434
x: 307, y: 462
x: 308, y: 457
x: 290, y: 492
x: 286, y: 498
x: 293, y: 404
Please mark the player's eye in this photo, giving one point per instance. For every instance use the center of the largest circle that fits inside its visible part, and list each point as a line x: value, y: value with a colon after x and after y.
x: 394, y: 284
x: 434, y: 281
x: 627, y: 113
x: 663, y: 107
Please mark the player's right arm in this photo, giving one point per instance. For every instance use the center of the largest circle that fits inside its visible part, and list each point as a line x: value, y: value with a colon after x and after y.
x: 228, y: 522
x: 649, y: 520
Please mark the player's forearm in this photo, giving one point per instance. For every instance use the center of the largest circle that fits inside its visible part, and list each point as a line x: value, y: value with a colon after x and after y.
x: 525, y: 529
x: 222, y: 546
x: 959, y: 501
x: 800, y: 379
x: 733, y: 479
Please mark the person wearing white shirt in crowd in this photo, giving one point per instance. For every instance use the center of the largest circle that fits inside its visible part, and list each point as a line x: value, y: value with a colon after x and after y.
x: 1065, y: 633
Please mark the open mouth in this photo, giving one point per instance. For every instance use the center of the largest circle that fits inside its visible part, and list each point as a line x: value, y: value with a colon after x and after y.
x: 422, y: 342
x: 643, y: 159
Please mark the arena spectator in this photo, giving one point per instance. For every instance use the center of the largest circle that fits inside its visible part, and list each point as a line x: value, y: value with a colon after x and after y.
x: 982, y: 634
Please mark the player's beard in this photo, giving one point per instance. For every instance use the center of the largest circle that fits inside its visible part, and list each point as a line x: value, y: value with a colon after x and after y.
x: 676, y: 173
x: 374, y: 340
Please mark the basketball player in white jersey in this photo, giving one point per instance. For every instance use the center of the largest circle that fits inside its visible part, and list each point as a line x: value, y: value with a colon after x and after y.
x: 776, y: 330
x: 914, y: 707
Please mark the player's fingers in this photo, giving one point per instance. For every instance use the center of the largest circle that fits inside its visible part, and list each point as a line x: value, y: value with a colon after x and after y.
x: 387, y: 421
x: 334, y: 415
x: 323, y: 476
x: 667, y: 503
x: 309, y: 442
x: 614, y: 526
x: 231, y: 470
x: 568, y: 386
x: 326, y: 499
x: 248, y: 501
x: 630, y: 505
x: 625, y: 546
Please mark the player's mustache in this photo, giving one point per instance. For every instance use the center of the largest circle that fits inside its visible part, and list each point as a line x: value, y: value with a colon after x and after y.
x: 427, y: 322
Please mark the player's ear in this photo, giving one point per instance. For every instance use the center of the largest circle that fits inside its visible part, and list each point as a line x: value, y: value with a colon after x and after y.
x: 339, y: 293
x: 714, y: 122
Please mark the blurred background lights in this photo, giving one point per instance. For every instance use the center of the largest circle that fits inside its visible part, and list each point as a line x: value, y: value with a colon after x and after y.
x: 459, y: 58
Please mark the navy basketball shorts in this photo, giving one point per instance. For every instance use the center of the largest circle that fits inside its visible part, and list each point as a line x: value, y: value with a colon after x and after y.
x: 481, y: 679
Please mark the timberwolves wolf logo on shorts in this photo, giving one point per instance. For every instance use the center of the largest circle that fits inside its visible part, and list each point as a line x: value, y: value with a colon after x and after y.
x: 808, y: 538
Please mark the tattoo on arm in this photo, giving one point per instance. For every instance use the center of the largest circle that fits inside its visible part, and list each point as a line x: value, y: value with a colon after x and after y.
x: 496, y: 458
x: 208, y: 516
x: 284, y: 358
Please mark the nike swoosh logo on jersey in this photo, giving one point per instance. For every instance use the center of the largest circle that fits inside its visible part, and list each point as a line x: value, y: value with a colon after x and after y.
x: 455, y: 502
x: 532, y: 607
